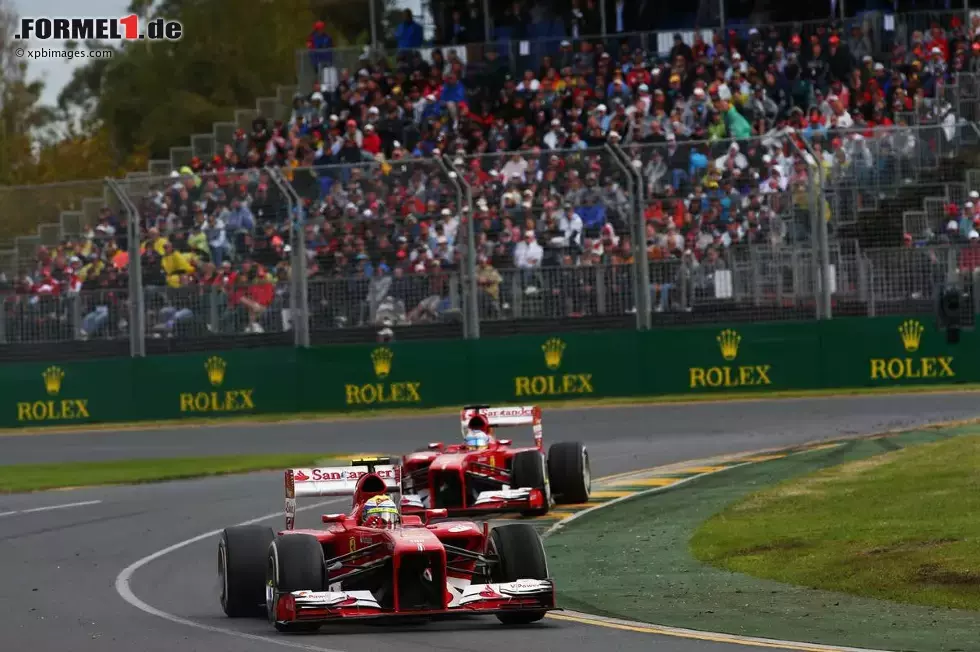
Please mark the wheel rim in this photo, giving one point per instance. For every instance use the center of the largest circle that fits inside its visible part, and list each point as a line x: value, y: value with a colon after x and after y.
x: 270, y: 588
x: 548, y: 500
x: 494, y: 571
x: 586, y: 472
x: 223, y: 574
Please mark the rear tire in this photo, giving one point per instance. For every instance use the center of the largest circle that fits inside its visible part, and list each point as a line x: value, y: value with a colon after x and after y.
x: 521, y: 556
x: 242, y: 552
x: 528, y: 470
x: 570, y: 472
x: 295, y: 563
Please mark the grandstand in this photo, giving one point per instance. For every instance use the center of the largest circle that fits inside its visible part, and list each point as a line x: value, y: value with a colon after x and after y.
x: 739, y: 148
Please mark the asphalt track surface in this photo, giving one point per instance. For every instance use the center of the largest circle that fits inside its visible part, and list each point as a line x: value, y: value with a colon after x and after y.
x: 59, y: 566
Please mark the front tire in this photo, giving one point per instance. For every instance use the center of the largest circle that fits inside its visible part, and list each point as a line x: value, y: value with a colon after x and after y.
x: 295, y: 563
x: 528, y: 470
x: 521, y: 556
x: 241, y: 569
x: 570, y: 472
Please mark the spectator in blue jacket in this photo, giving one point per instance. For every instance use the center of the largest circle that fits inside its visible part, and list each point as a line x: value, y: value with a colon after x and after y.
x: 408, y: 34
x: 321, y: 46
x: 451, y: 95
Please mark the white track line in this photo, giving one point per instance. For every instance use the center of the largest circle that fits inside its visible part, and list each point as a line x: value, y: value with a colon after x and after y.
x: 126, y: 592
x: 50, y: 507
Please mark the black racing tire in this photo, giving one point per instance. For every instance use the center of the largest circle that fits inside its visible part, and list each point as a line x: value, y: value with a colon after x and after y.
x: 528, y: 470
x: 520, y: 556
x: 242, y: 554
x: 295, y: 563
x: 570, y: 472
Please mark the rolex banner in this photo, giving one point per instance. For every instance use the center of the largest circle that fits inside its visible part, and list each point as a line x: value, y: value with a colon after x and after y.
x: 896, y: 351
x: 66, y: 394
x: 214, y: 385
x: 720, y: 359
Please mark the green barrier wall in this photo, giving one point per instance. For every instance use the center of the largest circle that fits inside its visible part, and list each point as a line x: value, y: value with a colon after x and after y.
x: 839, y: 353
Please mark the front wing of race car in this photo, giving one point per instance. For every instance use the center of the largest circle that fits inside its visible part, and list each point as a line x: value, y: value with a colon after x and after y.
x: 487, y: 502
x: 329, y: 606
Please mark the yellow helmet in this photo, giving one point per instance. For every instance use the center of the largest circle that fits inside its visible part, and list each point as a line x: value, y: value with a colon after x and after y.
x: 380, y: 512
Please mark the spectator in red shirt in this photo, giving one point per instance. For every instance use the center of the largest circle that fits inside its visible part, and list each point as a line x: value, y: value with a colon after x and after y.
x: 371, y: 141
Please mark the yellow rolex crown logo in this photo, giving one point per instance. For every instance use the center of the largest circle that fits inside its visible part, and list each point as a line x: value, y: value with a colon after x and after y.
x: 729, y: 340
x: 553, y: 349
x: 911, y: 332
x: 381, y: 359
x: 215, y: 367
x: 52, y: 379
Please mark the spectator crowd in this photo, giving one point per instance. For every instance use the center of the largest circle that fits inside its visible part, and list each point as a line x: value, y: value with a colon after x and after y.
x: 724, y: 132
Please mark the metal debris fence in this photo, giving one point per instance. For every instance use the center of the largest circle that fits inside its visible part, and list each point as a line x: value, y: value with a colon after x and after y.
x: 786, y: 226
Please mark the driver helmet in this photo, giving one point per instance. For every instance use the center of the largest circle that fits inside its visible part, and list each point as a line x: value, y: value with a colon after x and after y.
x: 476, y: 440
x: 380, y: 512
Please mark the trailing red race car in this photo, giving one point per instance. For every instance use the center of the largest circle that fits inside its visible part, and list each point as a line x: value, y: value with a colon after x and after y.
x: 489, y: 475
x: 374, y: 562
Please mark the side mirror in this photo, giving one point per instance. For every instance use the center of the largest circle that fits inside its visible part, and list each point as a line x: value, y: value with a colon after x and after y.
x: 333, y: 518
x: 505, y: 442
x: 435, y: 446
x: 435, y: 513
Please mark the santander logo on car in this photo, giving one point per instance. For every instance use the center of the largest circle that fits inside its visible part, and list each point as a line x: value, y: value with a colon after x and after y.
x: 326, y: 475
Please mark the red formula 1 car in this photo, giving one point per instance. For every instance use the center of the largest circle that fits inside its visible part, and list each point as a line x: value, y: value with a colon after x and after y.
x: 489, y: 475
x: 375, y: 563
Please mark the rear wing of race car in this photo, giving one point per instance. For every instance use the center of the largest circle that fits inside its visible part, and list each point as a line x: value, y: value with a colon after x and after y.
x: 501, y: 417
x: 336, y: 481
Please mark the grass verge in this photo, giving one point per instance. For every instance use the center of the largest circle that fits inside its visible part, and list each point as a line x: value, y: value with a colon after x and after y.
x: 38, y: 477
x: 901, y: 526
x: 634, y: 561
x: 581, y: 404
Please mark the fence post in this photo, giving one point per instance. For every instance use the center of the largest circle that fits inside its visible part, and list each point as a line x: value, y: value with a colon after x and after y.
x: 298, y: 295
x: 471, y: 298
x: 641, y: 266
x: 137, y: 307
x: 823, y: 242
x: 820, y: 246
x: 487, y: 27
x: 373, y: 17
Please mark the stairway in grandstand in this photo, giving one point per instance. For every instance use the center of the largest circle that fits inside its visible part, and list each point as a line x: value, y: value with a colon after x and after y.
x: 71, y: 223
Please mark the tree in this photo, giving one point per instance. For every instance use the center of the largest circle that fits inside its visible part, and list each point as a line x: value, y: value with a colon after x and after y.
x: 158, y: 94
x: 20, y: 108
x: 38, y: 146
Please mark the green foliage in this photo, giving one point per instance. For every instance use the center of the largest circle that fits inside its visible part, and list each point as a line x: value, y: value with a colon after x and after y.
x: 158, y: 94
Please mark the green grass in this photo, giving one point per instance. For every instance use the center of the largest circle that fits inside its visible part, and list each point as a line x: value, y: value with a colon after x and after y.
x: 901, y: 526
x: 634, y: 561
x: 38, y: 477
x: 551, y: 405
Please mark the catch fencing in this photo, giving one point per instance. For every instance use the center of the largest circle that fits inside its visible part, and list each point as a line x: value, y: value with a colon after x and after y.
x: 645, y: 232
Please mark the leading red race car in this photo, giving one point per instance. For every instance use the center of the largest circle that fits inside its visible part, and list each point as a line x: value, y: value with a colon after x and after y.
x: 374, y: 562
x: 486, y: 475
